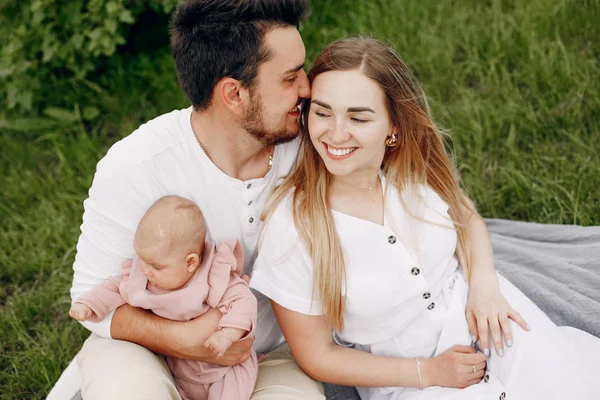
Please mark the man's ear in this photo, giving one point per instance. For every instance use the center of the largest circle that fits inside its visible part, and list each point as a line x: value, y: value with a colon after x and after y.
x: 192, y: 261
x: 232, y: 95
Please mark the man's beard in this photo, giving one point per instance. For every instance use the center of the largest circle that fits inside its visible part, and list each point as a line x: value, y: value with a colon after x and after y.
x: 254, y: 124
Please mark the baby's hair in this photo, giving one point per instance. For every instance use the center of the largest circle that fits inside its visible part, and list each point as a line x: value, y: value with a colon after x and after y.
x: 175, y: 220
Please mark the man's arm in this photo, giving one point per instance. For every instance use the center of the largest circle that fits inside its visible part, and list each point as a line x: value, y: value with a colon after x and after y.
x: 121, y: 192
x: 175, y: 339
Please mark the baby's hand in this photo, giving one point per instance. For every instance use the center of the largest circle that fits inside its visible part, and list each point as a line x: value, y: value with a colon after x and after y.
x: 222, y: 339
x: 80, y: 312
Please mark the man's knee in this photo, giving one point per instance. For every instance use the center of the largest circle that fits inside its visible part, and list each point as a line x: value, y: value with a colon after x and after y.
x: 146, y: 389
x: 280, y: 377
x: 113, y: 369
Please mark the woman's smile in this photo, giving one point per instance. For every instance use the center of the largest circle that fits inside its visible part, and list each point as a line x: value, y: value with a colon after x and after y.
x: 339, y: 153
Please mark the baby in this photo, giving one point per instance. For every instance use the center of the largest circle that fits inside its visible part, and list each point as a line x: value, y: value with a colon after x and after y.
x: 179, y: 276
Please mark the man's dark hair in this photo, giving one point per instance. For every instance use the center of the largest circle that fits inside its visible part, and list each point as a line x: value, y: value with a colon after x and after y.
x: 212, y: 39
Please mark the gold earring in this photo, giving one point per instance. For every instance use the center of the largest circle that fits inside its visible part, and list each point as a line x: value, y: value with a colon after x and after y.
x: 392, y: 141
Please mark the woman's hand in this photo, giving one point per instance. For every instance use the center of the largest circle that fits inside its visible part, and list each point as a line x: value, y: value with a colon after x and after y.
x: 457, y: 367
x: 488, y: 312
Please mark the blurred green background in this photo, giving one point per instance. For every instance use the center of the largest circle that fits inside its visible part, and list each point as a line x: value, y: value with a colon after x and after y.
x: 517, y: 83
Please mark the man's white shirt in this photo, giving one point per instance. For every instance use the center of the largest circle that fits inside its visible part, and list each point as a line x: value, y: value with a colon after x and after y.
x: 162, y: 157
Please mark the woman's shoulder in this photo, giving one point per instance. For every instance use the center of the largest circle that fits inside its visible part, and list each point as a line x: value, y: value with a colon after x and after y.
x: 419, y: 196
x: 281, y: 212
x: 415, y: 191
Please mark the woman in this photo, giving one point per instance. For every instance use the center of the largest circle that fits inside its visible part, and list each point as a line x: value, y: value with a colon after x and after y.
x: 372, y: 238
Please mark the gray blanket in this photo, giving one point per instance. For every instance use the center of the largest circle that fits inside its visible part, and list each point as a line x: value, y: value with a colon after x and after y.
x: 556, y: 266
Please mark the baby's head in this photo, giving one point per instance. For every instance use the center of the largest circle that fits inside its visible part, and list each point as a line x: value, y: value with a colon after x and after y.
x: 170, y: 241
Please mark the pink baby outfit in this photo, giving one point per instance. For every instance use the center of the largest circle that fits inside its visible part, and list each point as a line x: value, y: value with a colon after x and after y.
x: 216, y: 284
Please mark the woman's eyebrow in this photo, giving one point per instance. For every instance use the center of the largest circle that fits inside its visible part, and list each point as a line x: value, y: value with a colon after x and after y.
x: 360, y: 109
x: 350, y: 109
x: 320, y: 103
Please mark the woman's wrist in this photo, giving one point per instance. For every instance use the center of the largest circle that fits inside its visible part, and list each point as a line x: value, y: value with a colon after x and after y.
x: 428, y: 372
x: 419, y: 363
x: 483, y: 277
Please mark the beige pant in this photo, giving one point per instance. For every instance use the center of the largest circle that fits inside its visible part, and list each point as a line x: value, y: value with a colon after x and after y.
x: 114, y: 369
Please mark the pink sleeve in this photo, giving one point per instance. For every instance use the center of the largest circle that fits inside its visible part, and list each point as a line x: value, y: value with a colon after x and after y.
x: 133, y: 285
x: 238, y: 306
x: 103, y: 298
x: 228, y: 291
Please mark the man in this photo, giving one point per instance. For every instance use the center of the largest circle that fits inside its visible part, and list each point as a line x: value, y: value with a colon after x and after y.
x: 241, y: 65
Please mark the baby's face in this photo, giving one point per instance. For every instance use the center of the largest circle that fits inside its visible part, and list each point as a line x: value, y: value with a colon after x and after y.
x: 166, y: 270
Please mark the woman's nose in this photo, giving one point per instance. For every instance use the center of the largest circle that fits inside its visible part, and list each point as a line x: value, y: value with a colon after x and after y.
x: 338, y: 132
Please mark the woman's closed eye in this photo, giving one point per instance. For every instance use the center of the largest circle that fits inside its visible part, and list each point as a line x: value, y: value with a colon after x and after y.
x: 321, y: 114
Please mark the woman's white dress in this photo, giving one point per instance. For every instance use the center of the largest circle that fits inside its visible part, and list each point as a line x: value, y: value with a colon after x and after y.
x: 406, y: 297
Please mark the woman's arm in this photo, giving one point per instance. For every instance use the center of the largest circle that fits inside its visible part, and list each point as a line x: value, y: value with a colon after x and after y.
x: 481, y: 251
x: 487, y: 310
x: 311, y: 343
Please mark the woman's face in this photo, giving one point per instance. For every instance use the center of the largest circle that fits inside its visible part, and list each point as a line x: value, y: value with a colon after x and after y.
x: 348, y: 122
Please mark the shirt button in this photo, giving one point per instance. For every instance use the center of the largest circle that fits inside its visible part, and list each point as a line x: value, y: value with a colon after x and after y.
x: 251, y: 220
x: 426, y: 295
x: 431, y: 306
x: 415, y: 271
x: 249, y: 186
x: 250, y: 203
x: 502, y: 396
x: 392, y: 239
x: 486, y: 378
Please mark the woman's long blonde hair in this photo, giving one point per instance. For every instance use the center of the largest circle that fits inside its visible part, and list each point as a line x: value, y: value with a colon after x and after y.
x: 419, y: 158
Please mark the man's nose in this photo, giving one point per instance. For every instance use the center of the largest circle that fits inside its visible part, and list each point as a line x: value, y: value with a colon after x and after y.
x: 304, y: 85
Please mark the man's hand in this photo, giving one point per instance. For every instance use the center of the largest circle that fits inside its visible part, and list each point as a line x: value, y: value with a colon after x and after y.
x: 176, y: 339
x: 193, y: 344
x: 80, y: 312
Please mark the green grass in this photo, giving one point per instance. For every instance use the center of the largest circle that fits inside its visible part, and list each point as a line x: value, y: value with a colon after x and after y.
x: 516, y: 82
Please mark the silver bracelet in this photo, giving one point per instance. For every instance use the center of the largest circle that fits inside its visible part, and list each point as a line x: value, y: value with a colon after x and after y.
x: 418, y: 360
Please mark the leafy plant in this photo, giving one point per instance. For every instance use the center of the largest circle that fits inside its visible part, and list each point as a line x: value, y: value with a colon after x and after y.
x: 50, y: 40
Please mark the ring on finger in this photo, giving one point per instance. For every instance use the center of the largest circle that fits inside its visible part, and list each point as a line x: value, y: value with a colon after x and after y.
x: 474, y: 369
